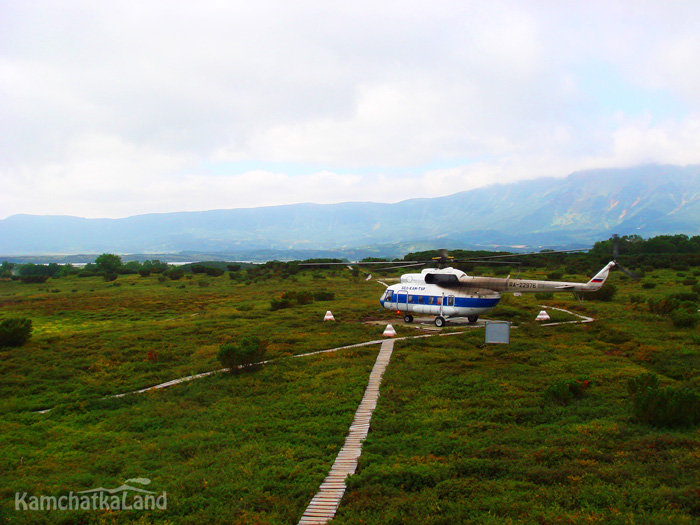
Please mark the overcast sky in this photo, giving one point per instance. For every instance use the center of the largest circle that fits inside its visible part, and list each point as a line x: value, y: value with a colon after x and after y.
x: 112, y: 109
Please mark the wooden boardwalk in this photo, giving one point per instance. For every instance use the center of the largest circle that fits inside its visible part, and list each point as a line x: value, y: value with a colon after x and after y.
x: 324, y: 504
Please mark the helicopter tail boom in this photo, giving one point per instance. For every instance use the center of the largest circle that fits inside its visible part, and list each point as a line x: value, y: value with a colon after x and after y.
x: 598, y: 279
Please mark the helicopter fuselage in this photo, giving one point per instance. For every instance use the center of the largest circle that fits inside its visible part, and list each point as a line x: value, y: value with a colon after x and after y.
x: 432, y: 299
x: 452, y: 293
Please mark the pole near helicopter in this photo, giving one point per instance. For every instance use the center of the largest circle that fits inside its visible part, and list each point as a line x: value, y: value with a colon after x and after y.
x: 447, y: 292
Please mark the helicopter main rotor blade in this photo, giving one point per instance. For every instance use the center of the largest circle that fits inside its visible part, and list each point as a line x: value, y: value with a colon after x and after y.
x: 408, y: 265
x: 524, y: 254
x: 484, y: 261
x: 627, y: 272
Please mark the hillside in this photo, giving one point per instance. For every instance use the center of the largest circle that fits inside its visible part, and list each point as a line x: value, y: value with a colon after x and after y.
x: 573, y: 211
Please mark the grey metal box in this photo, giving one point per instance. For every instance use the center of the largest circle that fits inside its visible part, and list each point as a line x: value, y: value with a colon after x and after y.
x: 498, y: 332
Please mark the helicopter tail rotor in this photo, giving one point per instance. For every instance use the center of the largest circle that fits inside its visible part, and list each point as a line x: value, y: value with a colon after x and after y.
x: 616, y: 253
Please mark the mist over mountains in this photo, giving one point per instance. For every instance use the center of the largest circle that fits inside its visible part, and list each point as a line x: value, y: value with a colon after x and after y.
x: 575, y: 211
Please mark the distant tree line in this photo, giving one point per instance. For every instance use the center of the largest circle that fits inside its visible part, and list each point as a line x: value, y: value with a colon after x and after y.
x: 664, y: 251
x: 678, y: 252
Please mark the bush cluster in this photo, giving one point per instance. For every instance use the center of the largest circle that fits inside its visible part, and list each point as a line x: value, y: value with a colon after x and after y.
x: 684, y: 318
x: 663, y: 406
x: 211, y: 271
x: 176, y: 274
x: 34, y: 279
x: 637, y: 298
x: 248, y: 351
x: 565, y: 391
x: 15, y: 331
x: 324, y: 296
x: 606, y: 293
x: 291, y: 299
x: 681, y: 307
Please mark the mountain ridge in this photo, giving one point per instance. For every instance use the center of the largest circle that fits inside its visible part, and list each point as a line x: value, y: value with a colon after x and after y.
x: 576, y: 210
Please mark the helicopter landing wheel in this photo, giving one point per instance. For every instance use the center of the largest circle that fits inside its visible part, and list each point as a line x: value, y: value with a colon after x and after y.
x: 407, y: 318
x: 473, y: 318
x: 439, y: 322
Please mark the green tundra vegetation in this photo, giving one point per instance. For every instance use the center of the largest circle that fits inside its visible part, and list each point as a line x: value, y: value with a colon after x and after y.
x: 573, y: 423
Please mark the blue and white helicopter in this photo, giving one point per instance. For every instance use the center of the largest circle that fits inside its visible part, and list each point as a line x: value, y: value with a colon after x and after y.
x: 448, y: 293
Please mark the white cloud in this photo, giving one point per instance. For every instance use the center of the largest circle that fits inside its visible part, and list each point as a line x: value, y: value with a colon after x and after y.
x: 114, y: 110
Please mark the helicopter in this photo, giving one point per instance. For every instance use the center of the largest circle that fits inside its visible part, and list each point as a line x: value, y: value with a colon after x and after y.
x: 448, y: 292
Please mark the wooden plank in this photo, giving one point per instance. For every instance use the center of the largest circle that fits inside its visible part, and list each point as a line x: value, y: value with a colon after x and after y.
x: 324, y: 504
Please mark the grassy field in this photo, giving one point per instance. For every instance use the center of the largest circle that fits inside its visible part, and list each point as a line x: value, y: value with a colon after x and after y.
x: 463, y: 432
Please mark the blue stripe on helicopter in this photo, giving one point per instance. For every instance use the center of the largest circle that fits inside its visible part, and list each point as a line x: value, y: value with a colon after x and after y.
x: 460, y: 302
x: 470, y: 302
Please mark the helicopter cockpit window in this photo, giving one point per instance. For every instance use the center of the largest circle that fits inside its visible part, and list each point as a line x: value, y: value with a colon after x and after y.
x: 389, y: 295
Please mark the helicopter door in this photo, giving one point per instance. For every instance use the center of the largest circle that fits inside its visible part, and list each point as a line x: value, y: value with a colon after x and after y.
x: 390, y: 300
x: 448, y: 305
x: 402, y: 300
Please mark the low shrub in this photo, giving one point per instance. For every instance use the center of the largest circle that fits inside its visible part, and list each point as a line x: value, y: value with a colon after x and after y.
x: 640, y: 383
x: 648, y: 286
x: 685, y: 296
x: 211, y: 271
x: 34, y: 279
x: 663, y: 406
x: 565, y: 391
x: 613, y: 336
x: 606, y: 293
x: 176, y: 274
x: 292, y: 298
x: 682, y: 318
x: 248, y: 351
x: 501, y: 270
x: 662, y: 306
x: 324, y: 296
x: 636, y: 298
x: 513, y: 313
x: 305, y: 298
x: 198, y: 268
x: 280, y: 304
x: 15, y: 331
